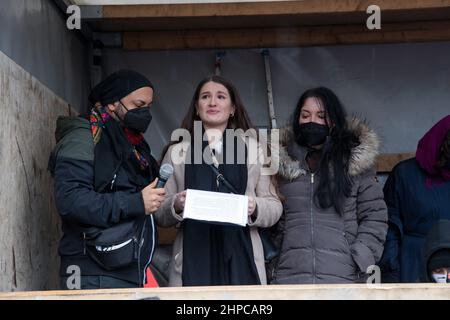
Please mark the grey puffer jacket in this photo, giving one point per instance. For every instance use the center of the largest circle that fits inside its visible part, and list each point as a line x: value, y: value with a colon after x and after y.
x: 319, y: 245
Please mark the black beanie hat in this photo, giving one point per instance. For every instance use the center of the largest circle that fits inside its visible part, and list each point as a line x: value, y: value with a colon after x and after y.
x: 118, y: 85
x: 440, y: 259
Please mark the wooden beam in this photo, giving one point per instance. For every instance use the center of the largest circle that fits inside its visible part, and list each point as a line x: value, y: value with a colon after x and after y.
x: 286, y: 37
x: 416, y: 291
x: 304, y: 7
x: 386, y: 162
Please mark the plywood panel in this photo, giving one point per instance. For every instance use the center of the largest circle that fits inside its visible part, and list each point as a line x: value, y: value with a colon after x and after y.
x: 29, y: 225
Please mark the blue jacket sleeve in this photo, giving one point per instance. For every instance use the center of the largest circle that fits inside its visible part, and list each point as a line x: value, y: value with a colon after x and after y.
x: 77, y: 200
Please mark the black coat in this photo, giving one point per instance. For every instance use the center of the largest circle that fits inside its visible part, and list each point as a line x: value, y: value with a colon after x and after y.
x: 80, y: 206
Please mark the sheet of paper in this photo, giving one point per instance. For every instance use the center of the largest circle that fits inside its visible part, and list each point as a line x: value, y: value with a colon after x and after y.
x: 216, y: 207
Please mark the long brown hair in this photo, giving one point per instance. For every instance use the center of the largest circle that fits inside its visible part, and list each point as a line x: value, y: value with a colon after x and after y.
x: 240, y: 120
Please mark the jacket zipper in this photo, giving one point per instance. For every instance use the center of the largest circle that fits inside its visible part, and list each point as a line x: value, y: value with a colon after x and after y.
x: 84, y: 243
x: 151, y: 252
x: 312, y: 228
x: 113, y: 180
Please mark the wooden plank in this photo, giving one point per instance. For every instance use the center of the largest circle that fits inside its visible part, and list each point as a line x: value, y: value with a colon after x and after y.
x: 266, y: 8
x: 272, y: 292
x: 262, y: 14
x: 286, y: 37
x: 386, y: 162
x: 263, y: 21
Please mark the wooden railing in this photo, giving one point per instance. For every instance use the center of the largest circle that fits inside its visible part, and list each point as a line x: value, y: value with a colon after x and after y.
x: 286, y: 292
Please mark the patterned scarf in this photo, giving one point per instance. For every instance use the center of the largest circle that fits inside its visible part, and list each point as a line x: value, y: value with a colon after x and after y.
x: 99, y: 117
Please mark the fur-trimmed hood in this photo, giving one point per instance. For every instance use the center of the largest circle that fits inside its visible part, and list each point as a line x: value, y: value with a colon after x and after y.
x: 362, y: 158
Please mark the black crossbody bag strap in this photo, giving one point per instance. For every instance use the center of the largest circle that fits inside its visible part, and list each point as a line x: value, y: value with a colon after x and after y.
x: 220, y: 178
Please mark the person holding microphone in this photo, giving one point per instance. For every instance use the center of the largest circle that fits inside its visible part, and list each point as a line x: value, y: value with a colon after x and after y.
x: 105, y: 187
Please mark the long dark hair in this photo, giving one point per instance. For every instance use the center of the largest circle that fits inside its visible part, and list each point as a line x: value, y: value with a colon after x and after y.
x: 240, y: 120
x: 335, y: 183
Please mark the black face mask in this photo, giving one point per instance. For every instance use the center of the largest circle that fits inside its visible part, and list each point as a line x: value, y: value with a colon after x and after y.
x: 137, y: 119
x: 312, y: 134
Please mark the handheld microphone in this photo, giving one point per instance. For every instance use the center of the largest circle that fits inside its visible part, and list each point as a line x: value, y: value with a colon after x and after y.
x: 165, y: 172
